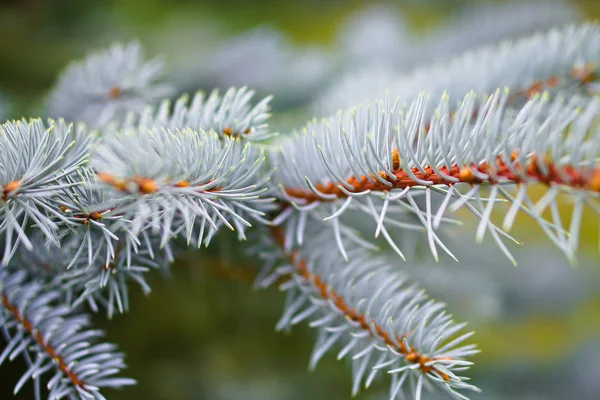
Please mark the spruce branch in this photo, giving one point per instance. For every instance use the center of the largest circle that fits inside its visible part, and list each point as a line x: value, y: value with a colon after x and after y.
x: 561, y: 60
x: 366, y: 308
x: 162, y: 186
x: 106, y: 85
x: 230, y: 114
x: 98, y: 282
x: 385, y: 153
x: 53, y: 338
x: 35, y: 157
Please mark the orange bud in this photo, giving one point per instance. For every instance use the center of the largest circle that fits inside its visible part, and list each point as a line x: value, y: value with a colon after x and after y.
x: 146, y: 185
x: 182, y: 184
x: 11, y: 187
x: 395, y: 159
x: 105, y: 177
x: 466, y: 175
x: 96, y: 216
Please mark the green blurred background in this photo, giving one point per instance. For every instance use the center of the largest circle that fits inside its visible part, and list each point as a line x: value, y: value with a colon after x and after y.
x: 204, y: 333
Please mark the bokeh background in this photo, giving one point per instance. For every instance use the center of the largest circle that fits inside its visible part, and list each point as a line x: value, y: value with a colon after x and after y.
x: 204, y: 332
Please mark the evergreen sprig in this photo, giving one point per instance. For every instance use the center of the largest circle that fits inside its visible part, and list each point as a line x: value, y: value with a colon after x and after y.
x: 365, y: 307
x: 107, y: 85
x: 230, y: 114
x: 161, y: 186
x: 562, y: 60
x: 376, y: 158
x: 54, y: 338
x: 35, y: 157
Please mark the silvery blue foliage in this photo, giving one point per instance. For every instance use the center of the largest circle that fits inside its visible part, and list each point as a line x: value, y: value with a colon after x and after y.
x: 48, y: 152
x: 100, y: 283
x: 106, y: 85
x: 230, y: 114
x: 544, y: 61
x: 517, y: 65
x: 56, y: 340
x: 356, y: 167
x: 106, y: 284
x: 88, y: 216
x: 166, y: 190
x: 365, y: 307
x: 82, y: 216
